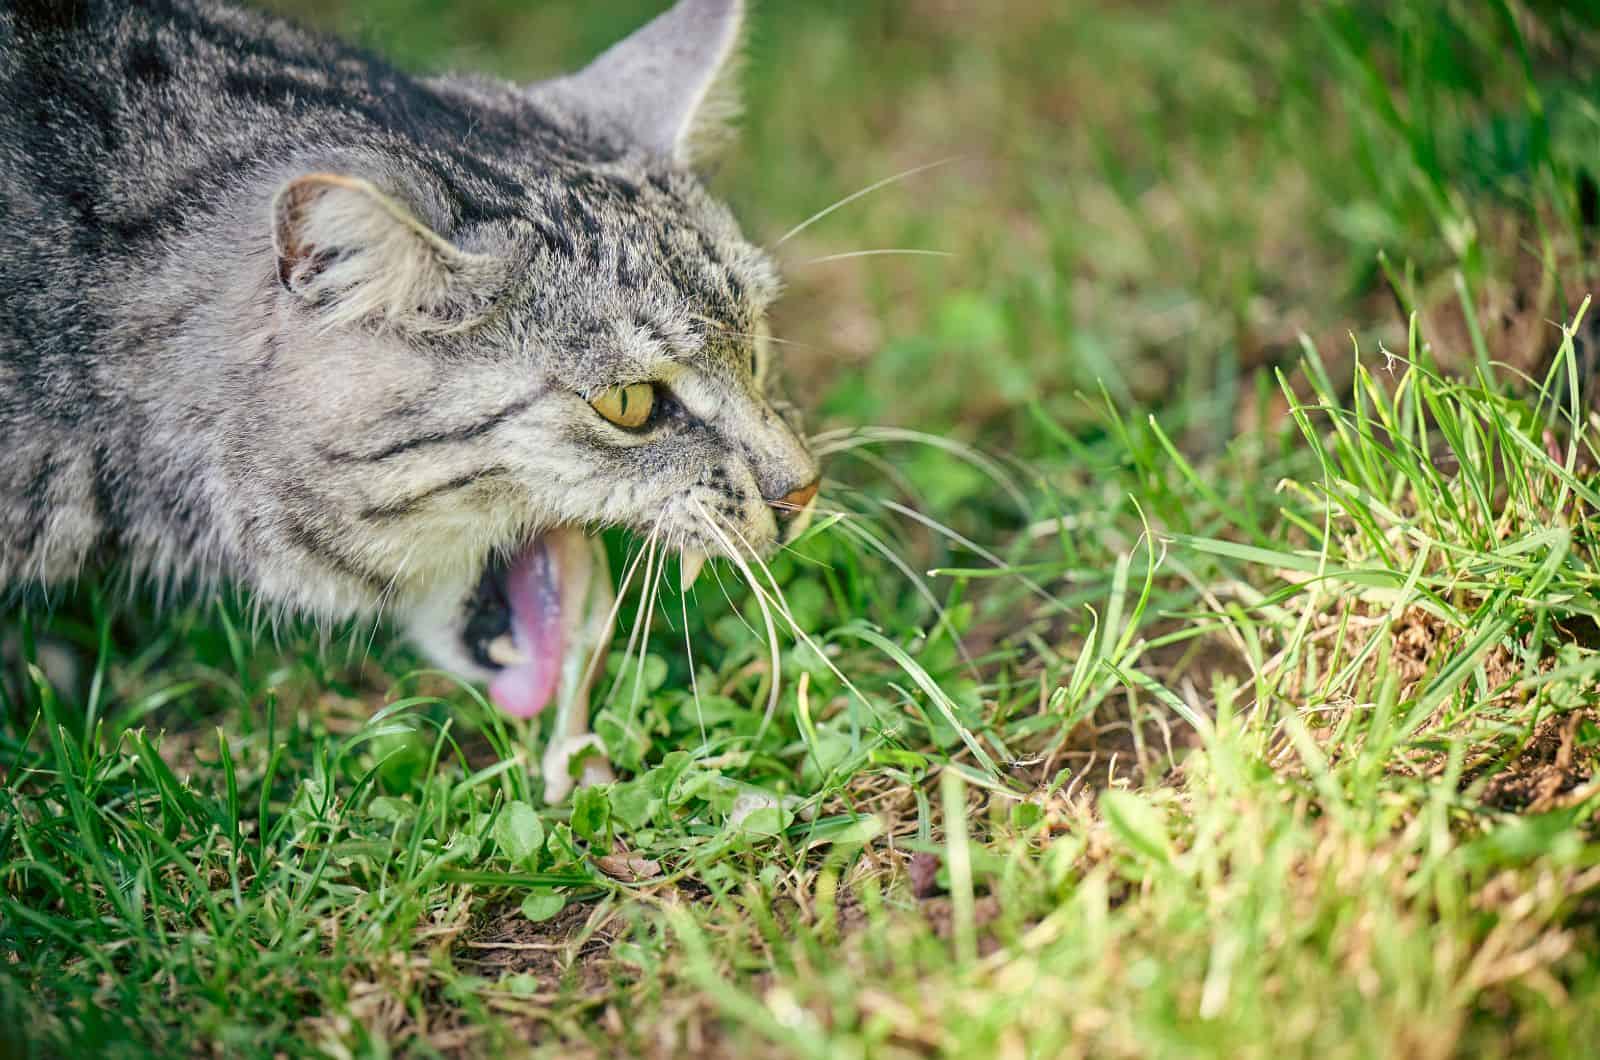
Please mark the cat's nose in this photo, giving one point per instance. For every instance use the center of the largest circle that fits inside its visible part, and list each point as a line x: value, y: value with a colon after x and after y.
x: 794, y: 508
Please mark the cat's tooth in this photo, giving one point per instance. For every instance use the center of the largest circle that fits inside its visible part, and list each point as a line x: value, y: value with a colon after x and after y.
x: 801, y: 522
x: 690, y: 561
x: 503, y: 652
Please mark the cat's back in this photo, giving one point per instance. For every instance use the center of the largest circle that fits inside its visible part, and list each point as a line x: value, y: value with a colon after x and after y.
x: 123, y: 122
x: 130, y: 129
x: 122, y: 118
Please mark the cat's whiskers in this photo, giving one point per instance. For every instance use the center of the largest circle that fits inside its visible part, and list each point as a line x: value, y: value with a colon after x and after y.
x: 781, y: 603
x: 846, y: 440
x: 884, y: 252
x: 863, y: 193
x: 829, y: 517
x: 694, y: 680
x: 853, y: 524
x: 386, y: 597
x: 616, y: 609
x: 884, y: 467
x: 752, y: 336
x: 994, y: 560
x: 652, y: 589
x: 722, y: 586
x: 776, y: 655
x: 649, y: 552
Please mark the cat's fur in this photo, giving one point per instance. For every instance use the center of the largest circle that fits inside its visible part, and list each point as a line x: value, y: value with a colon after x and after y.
x: 273, y: 312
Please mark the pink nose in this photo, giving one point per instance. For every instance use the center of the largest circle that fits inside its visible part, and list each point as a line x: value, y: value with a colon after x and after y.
x: 792, y: 504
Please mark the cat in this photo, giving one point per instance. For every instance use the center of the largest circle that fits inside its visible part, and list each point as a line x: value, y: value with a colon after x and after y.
x: 277, y: 315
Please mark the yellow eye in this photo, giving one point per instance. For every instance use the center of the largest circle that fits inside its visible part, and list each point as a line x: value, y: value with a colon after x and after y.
x: 626, y: 406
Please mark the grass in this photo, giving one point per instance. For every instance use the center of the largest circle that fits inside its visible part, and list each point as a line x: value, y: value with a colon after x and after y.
x: 1250, y: 708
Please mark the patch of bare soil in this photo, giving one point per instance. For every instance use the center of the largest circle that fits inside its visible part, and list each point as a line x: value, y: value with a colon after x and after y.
x: 571, y: 951
x: 1132, y: 748
x: 1122, y: 743
x: 1416, y: 640
x: 1548, y: 769
x: 531, y: 971
x: 940, y: 915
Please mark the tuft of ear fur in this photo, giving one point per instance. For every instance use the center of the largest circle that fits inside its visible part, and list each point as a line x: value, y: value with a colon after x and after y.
x: 359, y: 256
x: 672, y: 87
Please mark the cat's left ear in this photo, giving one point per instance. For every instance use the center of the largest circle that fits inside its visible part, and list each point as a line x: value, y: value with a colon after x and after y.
x: 355, y: 254
x: 672, y: 86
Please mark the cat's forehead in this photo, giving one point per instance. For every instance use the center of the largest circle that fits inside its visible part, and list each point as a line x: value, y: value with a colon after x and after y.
x: 656, y: 272
x: 616, y: 342
x: 635, y: 227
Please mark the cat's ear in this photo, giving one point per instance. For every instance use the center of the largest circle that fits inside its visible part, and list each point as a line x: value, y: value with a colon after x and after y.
x: 672, y: 86
x: 357, y: 255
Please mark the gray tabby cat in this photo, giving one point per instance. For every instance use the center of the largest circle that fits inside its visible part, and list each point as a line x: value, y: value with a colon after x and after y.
x: 276, y: 314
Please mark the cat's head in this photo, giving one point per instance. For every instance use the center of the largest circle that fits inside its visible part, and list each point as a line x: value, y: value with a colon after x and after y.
x: 531, y: 340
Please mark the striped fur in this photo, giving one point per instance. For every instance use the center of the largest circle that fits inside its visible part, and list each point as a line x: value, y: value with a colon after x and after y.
x: 274, y: 312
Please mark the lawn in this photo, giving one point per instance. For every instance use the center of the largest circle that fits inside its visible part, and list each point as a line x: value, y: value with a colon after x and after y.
x: 1198, y: 654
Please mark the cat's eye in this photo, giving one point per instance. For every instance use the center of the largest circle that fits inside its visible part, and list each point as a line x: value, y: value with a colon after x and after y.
x: 626, y: 406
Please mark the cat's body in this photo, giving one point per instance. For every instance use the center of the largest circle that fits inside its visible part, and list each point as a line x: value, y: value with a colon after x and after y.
x: 274, y: 313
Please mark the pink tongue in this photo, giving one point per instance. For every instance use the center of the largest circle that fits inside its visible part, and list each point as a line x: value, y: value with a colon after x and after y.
x: 536, y: 630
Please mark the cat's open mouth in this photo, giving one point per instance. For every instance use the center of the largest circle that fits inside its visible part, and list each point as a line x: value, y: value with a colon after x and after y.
x: 537, y: 618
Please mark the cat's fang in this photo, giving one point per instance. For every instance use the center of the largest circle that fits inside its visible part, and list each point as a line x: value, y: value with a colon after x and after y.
x: 690, y: 563
x: 502, y: 651
x: 801, y: 521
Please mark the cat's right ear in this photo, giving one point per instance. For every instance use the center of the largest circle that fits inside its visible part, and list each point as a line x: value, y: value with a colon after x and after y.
x: 357, y: 255
x: 672, y: 87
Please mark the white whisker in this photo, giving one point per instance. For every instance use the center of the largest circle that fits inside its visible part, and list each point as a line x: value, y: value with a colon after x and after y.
x: 897, y: 252
x: 945, y: 531
x: 868, y: 190
x: 766, y: 612
x: 738, y: 613
x: 831, y: 442
x: 885, y: 468
x: 788, y: 616
x: 972, y: 546
x: 752, y: 336
x: 646, y: 553
x: 648, y: 606
x: 385, y: 598
x: 694, y: 680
